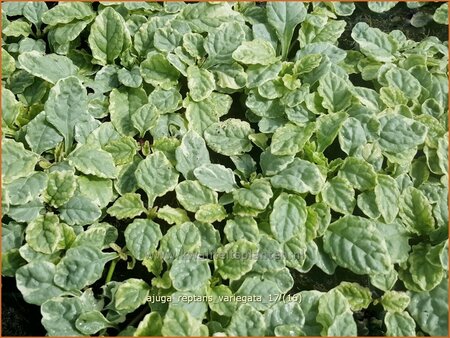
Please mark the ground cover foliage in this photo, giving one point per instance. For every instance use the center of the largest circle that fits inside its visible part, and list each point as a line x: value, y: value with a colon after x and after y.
x: 225, y: 168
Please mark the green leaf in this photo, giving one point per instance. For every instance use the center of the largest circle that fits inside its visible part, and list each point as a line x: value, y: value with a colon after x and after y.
x: 41, y: 135
x: 257, y: 196
x: 130, y: 78
x: 44, y: 233
x: 255, y: 52
x: 60, y: 188
x: 416, y: 211
x: 192, y: 195
x: 430, y: 309
x: 189, y: 273
x: 352, y: 136
x: 108, y: 36
x: 26, y: 212
x: 222, y: 300
x: 216, y: 177
x: 246, y: 321
x: 203, y: 114
x: 386, y: 197
x: 423, y: 270
x: 25, y: 189
x: 122, y: 150
x: 339, y: 195
x: 64, y: 13
x: 66, y: 107
x: 441, y: 14
x: 17, y: 29
x: 380, y: 7
x: 284, y: 18
x: 374, y: 43
x: 242, y: 227
x: 235, y: 259
x: 91, y: 322
x: 124, y: 103
x: 284, y: 314
x: 131, y: 294
x: 179, y: 240
x: 358, y: 173
x: 300, y: 176
x: 355, y: 243
x: 357, y: 296
x: 35, y: 282
x: 50, y: 67
x: 17, y: 162
x: 10, y: 106
x: 156, y: 70
x: 210, y: 213
x: 403, y: 80
x: 395, y: 301
x: 150, y: 325
x: 59, y: 315
x: 81, y: 266
x: 328, y: 127
x: 79, y: 210
x: 265, y: 292
x: 288, y: 217
x: 98, y: 190
x: 397, y: 241
x: 93, y: 161
x: 200, y: 83
x: 399, y: 133
x: 229, y: 137
x: 143, y: 119
x: 221, y: 43
x: 335, y: 93
x: 142, y: 238
x: 129, y: 205
x: 179, y: 322
x: 156, y: 176
x: 191, y: 153
x: 166, y: 101
x: 290, y: 139
x: 335, y: 316
x: 399, y: 324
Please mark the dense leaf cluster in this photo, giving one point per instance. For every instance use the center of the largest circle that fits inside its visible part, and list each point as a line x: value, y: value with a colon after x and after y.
x: 206, y: 153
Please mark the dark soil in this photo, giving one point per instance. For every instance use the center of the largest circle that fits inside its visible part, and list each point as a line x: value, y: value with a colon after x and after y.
x: 18, y: 317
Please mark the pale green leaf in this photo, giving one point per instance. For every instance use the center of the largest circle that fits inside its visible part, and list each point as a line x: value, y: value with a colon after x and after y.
x: 81, y: 266
x: 339, y: 195
x: 50, y: 67
x: 300, y: 176
x: 108, y: 36
x: 191, y: 153
x: 355, y: 243
x: 129, y: 205
x: 93, y: 161
x: 142, y: 238
x: 257, y: 196
x: 44, y: 233
x: 288, y: 217
x: 16, y: 161
x: 79, y: 210
x: 246, y: 321
x: 229, y: 137
x: 156, y: 176
x: 192, y: 195
x: 235, y: 259
x: 216, y: 177
x: 189, y: 274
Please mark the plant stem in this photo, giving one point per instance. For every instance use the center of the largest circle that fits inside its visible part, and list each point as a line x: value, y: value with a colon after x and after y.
x: 112, y: 267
